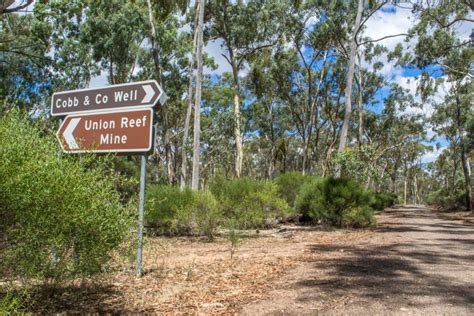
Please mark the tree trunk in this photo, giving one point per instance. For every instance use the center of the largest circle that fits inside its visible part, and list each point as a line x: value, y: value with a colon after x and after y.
x: 360, y: 109
x: 305, y: 154
x: 394, y: 183
x: 313, y: 113
x: 154, y: 47
x: 239, y: 152
x: 405, y: 191
x: 271, y: 163
x: 349, y: 80
x: 189, y: 110
x: 415, y: 189
x: 186, y: 129
x: 168, y: 151
x: 197, y: 104
x: 465, y: 164
x: 156, y: 61
x: 157, y: 169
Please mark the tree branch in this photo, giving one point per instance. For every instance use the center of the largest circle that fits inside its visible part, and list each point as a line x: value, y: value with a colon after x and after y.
x: 382, y: 38
x: 437, y: 20
x: 227, y: 58
x: 368, y: 17
x: 18, y: 8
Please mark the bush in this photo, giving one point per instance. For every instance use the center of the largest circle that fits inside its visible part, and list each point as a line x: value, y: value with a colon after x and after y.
x: 289, y: 184
x: 61, y: 217
x: 449, y: 200
x: 171, y: 211
x: 249, y: 203
x: 311, y: 198
x: 381, y: 200
x: 358, y: 217
x: 15, y: 302
x: 335, y: 201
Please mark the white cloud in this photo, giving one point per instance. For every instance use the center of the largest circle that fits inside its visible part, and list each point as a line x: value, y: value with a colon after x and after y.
x: 26, y: 10
x: 99, y: 81
x: 411, y: 83
x: 427, y: 107
x: 432, y: 155
x: 389, y: 21
x: 215, y: 50
x: 464, y: 29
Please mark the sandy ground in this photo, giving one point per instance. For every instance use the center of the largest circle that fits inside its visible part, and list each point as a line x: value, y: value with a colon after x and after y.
x: 414, y: 262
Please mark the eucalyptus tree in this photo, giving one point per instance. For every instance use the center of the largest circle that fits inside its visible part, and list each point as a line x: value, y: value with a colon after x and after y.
x: 266, y: 116
x: 363, y: 12
x: 24, y: 66
x: 441, y: 47
x: 394, y: 132
x: 217, y: 127
x: 197, y: 105
x: 175, y: 47
x: 160, y: 13
x: 244, y: 28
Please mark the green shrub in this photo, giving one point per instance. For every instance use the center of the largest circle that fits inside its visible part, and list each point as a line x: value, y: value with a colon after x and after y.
x: 358, y: 217
x: 289, y: 184
x: 165, y: 208
x: 381, y: 200
x: 14, y: 302
x: 207, y: 213
x: 248, y: 202
x: 61, y: 217
x: 311, y: 198
x: 335, y: 201
x: 171, y: 211
x: 449, y: 200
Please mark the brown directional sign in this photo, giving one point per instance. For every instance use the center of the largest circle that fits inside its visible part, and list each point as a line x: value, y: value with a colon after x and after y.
x: 124, y: 131
x: 130, y: 95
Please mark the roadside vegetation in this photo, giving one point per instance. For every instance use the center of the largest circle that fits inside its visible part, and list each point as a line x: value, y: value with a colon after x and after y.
x: 302, y: 118
x: 63, y: 217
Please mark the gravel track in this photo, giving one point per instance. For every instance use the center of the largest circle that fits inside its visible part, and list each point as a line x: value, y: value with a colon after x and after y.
x: 416, y: 263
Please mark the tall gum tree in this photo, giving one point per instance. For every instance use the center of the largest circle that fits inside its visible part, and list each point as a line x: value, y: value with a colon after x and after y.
x: 244, y: 30
x: 197, y: 104
x: 438, y: 45
x: 364, y: 11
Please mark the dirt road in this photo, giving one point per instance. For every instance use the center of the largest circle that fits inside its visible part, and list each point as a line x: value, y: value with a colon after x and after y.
x: 416, y: 263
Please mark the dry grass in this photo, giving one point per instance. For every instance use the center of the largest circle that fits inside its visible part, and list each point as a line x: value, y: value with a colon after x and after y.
x: 193, y: 276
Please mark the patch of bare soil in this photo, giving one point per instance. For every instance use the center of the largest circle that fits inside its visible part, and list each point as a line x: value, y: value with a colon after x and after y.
x: 466, y: 217
x: 415, y: 263
x: 193, y: 276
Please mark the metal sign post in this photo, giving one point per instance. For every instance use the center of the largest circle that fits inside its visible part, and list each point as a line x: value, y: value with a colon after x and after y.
x: 141, y: 211
x: 113, y: 119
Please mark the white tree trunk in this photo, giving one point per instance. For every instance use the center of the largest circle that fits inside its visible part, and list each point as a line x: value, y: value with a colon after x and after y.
x: 197, y: 104
x: 349, y: 80
x: 184, y: 159
x: 239, y: 151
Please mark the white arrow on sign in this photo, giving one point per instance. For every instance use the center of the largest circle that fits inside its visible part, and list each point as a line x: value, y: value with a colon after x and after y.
x: 68, y: 137
x: 149, y: 93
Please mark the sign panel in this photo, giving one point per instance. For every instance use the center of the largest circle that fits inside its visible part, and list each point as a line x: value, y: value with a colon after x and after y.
x: 129, y: 95
x: 124, y: 131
